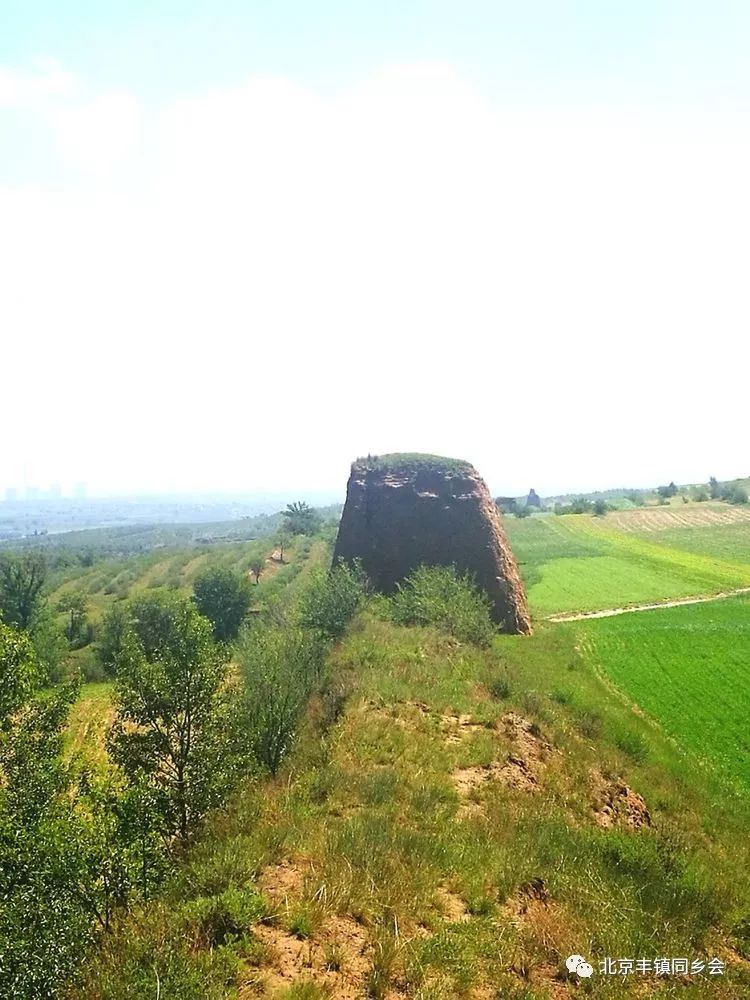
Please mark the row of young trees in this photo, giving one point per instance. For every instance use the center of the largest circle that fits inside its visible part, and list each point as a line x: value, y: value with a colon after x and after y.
x: 204, y: 696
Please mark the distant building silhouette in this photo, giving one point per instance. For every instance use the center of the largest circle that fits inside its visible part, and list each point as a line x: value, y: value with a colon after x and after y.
x: 533, y: 499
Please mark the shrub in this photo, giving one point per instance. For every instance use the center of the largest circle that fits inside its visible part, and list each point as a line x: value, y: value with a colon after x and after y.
x: 499, y: 688
x: 330, y: 600
x: 92, y: 670
x: 634, y: 745
x: 589, y: 723
x: 281, y: 664
x: 228, y: 915
x: 437, y: 595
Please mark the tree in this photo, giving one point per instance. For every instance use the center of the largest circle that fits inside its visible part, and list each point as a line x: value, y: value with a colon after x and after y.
x: 600, y: 508
x: 301, y: 519
x: 111, y: 635
x: 667, y: 491
x: 281, y: 540
x: 44, y: 922
x: 77, y: 629
x: 18, y: 672
x: 21, y: 582
x: 734, y: 493
x: 223, y: 596
x: 256, y: 568
x: 714, y: 489
x: 173, y: 726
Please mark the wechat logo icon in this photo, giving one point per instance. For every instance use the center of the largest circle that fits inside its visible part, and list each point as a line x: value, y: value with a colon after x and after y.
x: 579, y: 965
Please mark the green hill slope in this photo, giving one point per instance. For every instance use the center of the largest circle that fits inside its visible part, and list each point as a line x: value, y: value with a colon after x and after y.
x: 453, y: 823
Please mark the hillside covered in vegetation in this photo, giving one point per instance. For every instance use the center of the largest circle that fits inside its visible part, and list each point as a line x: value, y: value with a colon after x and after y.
x: 283, y: 785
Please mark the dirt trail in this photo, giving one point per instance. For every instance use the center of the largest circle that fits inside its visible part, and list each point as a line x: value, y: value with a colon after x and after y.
x: 610, y: 612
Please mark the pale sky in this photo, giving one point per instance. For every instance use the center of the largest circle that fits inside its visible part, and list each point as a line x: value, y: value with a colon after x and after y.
x: 242, y: 244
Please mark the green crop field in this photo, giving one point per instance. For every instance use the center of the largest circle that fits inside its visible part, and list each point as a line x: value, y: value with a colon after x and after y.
x: 688, y: 668
x: 577, y: 563
x: 723, y: 541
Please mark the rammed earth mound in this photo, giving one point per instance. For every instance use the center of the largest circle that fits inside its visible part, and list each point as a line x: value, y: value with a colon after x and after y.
x: 404, y: 511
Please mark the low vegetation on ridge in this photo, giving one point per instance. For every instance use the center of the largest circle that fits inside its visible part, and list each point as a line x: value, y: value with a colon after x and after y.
x: 379, y: 797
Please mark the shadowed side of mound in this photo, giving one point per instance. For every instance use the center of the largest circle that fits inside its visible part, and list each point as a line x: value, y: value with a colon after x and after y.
x: 403, y: 511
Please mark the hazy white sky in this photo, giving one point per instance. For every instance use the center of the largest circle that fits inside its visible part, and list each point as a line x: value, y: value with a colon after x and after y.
x: 249, y: 284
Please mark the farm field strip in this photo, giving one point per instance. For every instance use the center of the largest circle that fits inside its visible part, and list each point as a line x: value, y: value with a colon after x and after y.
x: 689, y: 669
x: 613, y: 612
x: 656, y: 519
x: 576, y: 564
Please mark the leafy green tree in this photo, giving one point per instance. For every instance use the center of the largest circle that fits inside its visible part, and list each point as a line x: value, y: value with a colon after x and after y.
x: 714, y: 488
x: 23, y: 604
x: 223, y: 596
x: 77, y: 629
x: 734, y: 493
x: 111, y: 636
x: 121, y: 846
x: 600, y: 508
x: 174, y: 722
x: 22, y: 581
x: 301, y: 519
x: 281, y: 540
x: 665, y: 492
x: 44, y: 922
x: 256, y: 568
x: 18, y: 672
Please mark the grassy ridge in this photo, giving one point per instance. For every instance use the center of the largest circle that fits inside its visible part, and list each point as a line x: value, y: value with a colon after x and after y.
x: 373, y: 866
x: 688, y: 668
x: 414, y: 461
x: 575, y: 563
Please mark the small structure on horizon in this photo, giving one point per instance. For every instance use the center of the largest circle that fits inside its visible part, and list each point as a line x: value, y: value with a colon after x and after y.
x: 533, y: 499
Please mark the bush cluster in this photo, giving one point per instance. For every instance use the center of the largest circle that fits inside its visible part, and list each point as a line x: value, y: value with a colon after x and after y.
x: 438, y: 595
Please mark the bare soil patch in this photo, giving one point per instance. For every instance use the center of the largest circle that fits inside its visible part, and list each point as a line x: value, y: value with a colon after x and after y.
x: 527, y: 737
x: 616, y: 804
x: 457, y: 726
x: 520, y: 770
x: 453, y: 908
x: 281, y: 881
x: 336, y: 958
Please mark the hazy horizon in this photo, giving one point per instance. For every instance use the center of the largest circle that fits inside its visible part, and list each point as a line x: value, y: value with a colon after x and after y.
x: 248, y: 244
x: 317, y: 497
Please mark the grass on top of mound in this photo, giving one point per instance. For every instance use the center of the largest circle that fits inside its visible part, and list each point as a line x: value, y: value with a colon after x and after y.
x: 413, y: 461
